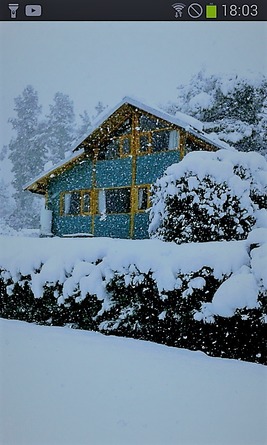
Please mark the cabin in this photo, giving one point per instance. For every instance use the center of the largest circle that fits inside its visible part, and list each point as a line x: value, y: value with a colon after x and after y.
x: 103, y: 188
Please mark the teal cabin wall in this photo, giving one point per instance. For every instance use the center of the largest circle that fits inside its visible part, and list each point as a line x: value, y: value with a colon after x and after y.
x: 141, y: 223
x: 151, y: 167
x: 76, y: 178
x: 114, y: 173
x: 107, y: 174
x: 114, y: 226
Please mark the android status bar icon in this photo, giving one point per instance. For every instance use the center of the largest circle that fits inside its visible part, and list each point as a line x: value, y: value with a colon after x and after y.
x: 211, y: 11
x: 195, y: 10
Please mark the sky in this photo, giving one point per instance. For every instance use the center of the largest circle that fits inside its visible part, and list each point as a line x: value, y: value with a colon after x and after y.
x: 105, y: 61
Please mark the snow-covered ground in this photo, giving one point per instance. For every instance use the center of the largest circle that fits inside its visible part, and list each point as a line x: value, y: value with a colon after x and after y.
x: 62, y: 386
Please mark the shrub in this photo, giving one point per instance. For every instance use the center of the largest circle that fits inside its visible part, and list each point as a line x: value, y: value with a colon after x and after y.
x: 209, y: 197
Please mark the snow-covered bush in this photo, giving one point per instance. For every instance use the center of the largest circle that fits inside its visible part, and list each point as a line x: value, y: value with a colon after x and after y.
x: 210, y: 196
x: 138, y: 309
x: 201, y: 296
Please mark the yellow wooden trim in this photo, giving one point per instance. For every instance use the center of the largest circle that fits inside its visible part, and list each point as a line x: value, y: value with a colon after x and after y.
x: 183, y: 136
x: 96, y: 151
x: 61, y: 204
x: 135, y: 147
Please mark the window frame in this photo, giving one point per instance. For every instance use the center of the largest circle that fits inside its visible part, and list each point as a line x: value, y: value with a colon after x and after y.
x: 104, y: 189
x: 120, y: 153
x: 147, y: 187
x: 81, y: 212
x: 149, y: 134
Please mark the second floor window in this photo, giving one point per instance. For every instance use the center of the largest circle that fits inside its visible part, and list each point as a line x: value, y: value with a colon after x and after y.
x: 158, y: 140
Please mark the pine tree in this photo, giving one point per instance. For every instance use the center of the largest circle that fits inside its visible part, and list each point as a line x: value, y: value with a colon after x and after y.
x: 86, y: 122
x: 262, y: 126
x: 6, y: 189
x: 100, y: 107
x: 85, y: 127
x: 26, y: 155
x: 60, y: 127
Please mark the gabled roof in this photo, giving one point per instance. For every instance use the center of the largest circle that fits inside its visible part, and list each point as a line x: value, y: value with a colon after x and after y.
x: 102, y: 125
x: 188, y: 123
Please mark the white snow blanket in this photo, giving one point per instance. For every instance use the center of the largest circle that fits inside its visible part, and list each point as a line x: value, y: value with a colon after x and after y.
x: 68, y: 387
x: 89, y: 264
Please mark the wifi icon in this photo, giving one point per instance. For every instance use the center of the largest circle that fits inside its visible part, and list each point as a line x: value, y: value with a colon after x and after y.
x: 178, y: 8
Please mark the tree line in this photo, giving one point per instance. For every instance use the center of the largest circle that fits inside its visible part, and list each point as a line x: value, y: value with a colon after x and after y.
x: 38, y: 141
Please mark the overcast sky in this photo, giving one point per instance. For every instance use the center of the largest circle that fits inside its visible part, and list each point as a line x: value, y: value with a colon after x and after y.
x: 92, y: 61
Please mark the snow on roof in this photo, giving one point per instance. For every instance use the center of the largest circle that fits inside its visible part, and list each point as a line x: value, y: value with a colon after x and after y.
x: 182, y: 120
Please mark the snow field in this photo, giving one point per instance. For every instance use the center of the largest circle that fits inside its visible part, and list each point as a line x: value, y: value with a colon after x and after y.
x: 62, y: 386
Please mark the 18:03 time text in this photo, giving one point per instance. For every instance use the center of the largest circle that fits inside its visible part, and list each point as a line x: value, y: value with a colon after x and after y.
x: 244, y: 10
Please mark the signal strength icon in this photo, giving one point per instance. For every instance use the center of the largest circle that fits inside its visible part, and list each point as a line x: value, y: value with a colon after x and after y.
x: 179, y: 9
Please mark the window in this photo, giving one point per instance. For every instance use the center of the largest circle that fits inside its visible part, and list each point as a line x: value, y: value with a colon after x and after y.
x: 112, y: 149
x: 77, y: 202
x: 72, y: 203
x: 125, y: 146
x: 144, y: 143
x: 159, y: 140
x: 143, y: 198
x: 115, y: 148
x: 86, y: 203
x: 115, y: 200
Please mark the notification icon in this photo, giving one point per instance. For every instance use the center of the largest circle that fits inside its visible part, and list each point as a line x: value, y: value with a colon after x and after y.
x: 33, y: 10
x: 195, y: 10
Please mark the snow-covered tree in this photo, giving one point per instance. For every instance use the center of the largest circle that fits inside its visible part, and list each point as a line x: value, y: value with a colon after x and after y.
x: 27, y: 156
x: 60, y: 127
x: 231, y: 106
x: 99, y: 108
x: 210, y: 196
x: 85, y: 125
x: 6, y: 188
x: 263, y: 125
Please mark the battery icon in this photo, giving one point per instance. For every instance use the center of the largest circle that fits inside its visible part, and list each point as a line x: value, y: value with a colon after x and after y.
x: 211, y: 11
